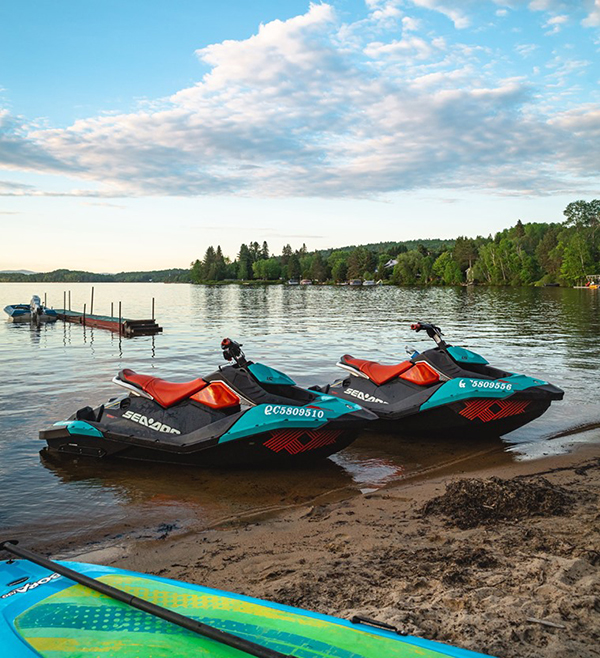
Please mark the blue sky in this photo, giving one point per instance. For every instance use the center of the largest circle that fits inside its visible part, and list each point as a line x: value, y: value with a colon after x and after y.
x: 140, y: 132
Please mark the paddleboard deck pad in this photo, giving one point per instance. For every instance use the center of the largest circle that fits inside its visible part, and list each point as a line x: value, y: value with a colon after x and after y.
x: 47, y: 614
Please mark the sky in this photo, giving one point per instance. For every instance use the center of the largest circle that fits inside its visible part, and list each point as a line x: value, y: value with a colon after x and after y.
x: 135, y: 134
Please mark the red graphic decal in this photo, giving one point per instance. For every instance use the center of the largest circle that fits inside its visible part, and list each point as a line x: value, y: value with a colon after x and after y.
x: 487, y: 410
x: 295, y: 441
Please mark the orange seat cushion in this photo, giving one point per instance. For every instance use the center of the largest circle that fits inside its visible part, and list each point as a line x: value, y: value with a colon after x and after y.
x: 378, y: 373
x: 165, y: 393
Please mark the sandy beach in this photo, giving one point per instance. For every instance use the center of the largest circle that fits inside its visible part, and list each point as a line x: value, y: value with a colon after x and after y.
x: 494, y: 557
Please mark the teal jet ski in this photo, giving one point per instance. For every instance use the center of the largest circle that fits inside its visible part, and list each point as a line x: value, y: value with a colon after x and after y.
x: 446, y: 389
x: 205, y: 422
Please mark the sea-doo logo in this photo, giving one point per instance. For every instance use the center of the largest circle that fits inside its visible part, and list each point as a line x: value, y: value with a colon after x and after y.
x: 365, y: 397
x: 150, y: 422
x: 29, y: 586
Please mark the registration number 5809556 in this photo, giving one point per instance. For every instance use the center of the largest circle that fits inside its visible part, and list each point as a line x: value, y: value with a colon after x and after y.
x: 489, y: 384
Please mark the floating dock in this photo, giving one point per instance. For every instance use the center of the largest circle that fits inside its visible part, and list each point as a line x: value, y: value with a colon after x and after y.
x: 122, y: 326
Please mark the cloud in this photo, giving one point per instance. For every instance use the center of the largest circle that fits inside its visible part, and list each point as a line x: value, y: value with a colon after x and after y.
x: 452, y: 10
x: 526, y: 49
x: 593, y: 17
x: 19, y: 150
x: 104, y: 204
x: 312, y: 107
x: 411, y: 47
x: 410, y: 24
x: 9, y: 188
x: 384, y: 12
x: 555, y: 23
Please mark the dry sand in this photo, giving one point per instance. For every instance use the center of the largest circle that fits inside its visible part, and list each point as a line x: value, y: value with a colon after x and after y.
x: 508, y: 566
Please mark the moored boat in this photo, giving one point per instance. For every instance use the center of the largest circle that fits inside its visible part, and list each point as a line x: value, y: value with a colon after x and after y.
x: 35, y: 311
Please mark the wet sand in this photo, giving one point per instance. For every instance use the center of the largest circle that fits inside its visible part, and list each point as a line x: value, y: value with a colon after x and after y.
x: 494, y: 556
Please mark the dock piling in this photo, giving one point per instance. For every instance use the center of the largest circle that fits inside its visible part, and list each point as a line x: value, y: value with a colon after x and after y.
x: 153, y: 318
x: 83, y: 318
x: 92, y: 302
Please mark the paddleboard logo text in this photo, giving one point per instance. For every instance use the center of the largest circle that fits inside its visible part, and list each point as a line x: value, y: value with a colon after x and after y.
x: 29, y: 586
x: 363, y: 396
x: 150, y: 422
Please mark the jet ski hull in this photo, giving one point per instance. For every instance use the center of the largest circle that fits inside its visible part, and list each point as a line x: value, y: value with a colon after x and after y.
x: 451, y: 420
x: 135, y: 428
x: 265, y: 449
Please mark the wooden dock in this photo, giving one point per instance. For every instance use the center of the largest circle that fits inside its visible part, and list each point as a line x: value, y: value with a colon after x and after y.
x: 123, y: 326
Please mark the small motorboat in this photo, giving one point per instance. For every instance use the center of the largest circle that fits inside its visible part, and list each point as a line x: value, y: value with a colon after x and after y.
x: 65, y: 609
x: 35, y: 311
x: 445, y: 389
x: 206, y: 422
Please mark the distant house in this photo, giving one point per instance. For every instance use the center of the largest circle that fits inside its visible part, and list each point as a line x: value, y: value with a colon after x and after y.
x: 391, y: 263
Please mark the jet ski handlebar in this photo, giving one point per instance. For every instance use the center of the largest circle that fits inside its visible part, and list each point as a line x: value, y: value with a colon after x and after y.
x: 232, y: 351
x: 432, y: 331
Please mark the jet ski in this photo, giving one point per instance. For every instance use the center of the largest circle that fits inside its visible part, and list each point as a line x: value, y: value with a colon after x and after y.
x: 58, y: 609
x: 204, y: 422
x: 447, y: 388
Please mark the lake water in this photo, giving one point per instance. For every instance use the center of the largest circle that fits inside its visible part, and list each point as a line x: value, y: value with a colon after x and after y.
x: 50, y: 371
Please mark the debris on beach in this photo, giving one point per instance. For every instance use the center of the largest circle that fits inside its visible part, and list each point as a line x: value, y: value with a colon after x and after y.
x: 470, y: 503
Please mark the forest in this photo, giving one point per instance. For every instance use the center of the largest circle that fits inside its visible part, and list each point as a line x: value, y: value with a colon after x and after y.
x: 525, y: 254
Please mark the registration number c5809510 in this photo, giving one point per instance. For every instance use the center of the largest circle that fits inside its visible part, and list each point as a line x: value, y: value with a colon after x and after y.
x: 298, y: 412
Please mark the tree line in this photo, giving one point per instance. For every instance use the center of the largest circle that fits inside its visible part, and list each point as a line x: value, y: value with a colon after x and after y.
x: 525, y: 254
x: 177, y: 275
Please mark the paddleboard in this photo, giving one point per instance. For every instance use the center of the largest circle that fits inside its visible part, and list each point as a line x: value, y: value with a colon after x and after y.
x: 47, y: 614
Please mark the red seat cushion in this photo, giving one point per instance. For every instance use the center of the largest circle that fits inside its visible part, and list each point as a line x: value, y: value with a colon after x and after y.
x: 165, y: 393
x: 379, y: 374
